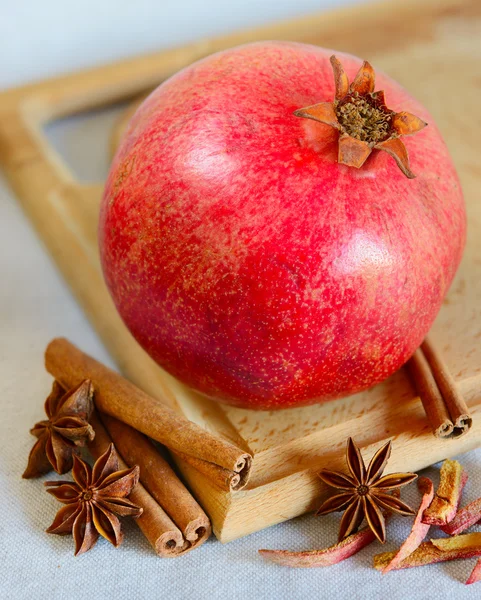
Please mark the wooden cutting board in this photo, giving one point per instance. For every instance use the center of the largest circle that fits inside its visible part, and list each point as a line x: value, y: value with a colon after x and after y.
x: 434, y: 49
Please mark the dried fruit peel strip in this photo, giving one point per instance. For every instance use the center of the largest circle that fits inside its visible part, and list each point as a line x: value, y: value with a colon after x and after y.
x: 459, y: 542
x: 465, y: 517
x: 322, y: 558
x: 476, y: 574
x: 448, y: 495
x: 426, y: 554
x: 419, y: 529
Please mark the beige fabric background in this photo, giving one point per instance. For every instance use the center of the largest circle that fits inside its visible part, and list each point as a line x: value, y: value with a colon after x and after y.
x: 36, y: 305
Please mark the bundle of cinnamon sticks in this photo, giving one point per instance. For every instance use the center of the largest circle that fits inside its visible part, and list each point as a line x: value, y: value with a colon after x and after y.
x: 444, y: 405
x: 172, y: 520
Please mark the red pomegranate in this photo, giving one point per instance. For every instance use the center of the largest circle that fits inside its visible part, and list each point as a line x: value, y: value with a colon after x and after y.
x: 269, y: 260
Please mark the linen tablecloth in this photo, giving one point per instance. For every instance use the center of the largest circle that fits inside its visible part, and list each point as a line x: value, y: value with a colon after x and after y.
x: 35, y: 306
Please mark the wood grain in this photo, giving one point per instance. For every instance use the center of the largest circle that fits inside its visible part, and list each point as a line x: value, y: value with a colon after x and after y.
x: 434, y: 49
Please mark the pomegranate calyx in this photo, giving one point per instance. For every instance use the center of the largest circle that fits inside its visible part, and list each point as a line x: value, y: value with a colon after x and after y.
x: 324, y: 112
x: 364, y: 81
x: 395, y: 148
x: 363, y: 120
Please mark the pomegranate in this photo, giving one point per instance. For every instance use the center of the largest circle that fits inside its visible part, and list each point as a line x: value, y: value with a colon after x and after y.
x: 261, y: 232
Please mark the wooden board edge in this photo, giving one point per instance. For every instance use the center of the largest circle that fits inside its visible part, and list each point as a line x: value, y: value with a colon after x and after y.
x: 251, y: 510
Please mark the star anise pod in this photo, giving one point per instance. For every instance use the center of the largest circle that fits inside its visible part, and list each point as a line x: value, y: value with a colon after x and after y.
x: 66, y: 428
x: 363, y: 120
x: 93, y: 500
x: 365, y: 492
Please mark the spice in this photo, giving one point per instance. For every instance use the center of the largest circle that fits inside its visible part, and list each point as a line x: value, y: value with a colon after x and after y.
x: 419, y: 529
x: 225, y: 479
x: 466, y: 517
x: 93, y: 501
x: 121, y: 399
x: 445, y: 407
x: 363, y: 120
x: 459, y: 542
x: 476, y: 574
x: 365, y: 492
x: 155, y: 524
x: 448, y: 495
x: 322, y: 558
x: 66, y: 428
x: 434, y: 551
x: 160, y: 480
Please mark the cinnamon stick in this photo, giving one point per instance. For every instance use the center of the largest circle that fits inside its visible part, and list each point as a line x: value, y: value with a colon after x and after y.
x: 230, y: 481
x: 455, y: 403
x: 428, y: 391
x: 117, y: 397
x: 159, y: 529
x: 160, y: 480
x: 445, y: 408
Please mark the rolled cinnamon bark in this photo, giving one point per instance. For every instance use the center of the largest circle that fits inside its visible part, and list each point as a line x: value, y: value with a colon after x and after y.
x: 159, y: 529
x: 230, y: 481
x: 433, y: 402
x: 160, y: 480
x: 455, y: 403
x: 117, y: 397
x: 445, y: 407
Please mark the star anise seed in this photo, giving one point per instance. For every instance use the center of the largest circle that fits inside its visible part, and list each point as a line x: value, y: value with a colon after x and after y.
x: 365, y: 492
x: 363, y: 120
x: 93, y: 500
x: 66, y: 428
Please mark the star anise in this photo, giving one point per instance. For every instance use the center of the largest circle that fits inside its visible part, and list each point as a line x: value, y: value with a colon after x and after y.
x: 66, y: 428
x: 363, y: 120
x: 93, y: 500
x: 365, y: 492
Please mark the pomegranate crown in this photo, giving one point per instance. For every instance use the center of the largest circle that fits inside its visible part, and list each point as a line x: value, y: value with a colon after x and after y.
x: 363, y: 120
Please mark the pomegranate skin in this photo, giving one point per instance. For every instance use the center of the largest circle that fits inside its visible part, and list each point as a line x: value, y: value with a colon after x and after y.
x: 249, y: 263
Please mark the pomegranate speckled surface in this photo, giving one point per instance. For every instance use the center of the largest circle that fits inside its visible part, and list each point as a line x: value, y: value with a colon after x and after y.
x: 247, y: 261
